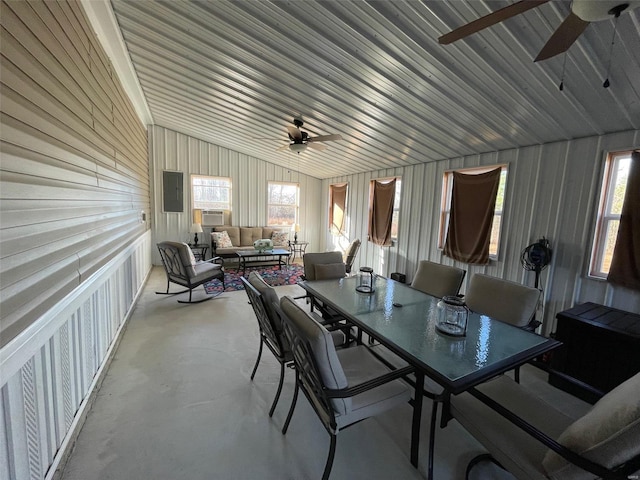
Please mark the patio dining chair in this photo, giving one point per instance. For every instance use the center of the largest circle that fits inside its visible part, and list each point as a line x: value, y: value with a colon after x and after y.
x: 182, y: 268
x: 343, y: 386
x: 262, y: 297
x: 438, y: 280
x: 350, y: 254
x: 509, y: 302
x: 533, y: 439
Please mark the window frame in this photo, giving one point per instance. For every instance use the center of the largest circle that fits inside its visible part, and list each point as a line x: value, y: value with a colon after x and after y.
x: 296, y: 219
x: 604, y: 216
x: 228, y: 204
x: 445, y: 202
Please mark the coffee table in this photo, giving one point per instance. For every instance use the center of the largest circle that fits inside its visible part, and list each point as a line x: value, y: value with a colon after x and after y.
x: 248, y: 257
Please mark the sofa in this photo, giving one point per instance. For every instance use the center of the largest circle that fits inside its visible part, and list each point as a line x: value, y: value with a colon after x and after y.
x: 242, y: 238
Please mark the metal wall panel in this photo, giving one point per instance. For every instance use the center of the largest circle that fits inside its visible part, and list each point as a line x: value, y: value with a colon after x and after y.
x: 552, y: 191
x: 171, y: 150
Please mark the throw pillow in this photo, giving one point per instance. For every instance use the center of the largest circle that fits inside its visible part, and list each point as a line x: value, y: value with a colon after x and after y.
x: 607, y: 435
x: 222, y: 239
x: 329, y: 271
x: 280, y: 239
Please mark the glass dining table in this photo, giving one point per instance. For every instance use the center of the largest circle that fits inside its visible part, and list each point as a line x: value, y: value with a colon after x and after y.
x: 404, y: 320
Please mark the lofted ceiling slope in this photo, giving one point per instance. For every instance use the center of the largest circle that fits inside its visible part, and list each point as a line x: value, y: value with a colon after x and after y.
x: 236, y: 73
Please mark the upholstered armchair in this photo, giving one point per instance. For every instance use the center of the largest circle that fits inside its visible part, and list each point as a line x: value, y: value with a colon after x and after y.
x: 182, y: 268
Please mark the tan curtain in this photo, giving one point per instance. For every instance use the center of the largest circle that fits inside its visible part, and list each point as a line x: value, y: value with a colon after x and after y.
x: 381, y: 212
x: 473, y: 203
x: 337, y: 203
x: 625, y: 264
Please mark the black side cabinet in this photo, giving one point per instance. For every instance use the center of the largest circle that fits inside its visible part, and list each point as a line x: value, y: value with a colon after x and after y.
x: 600, y: 350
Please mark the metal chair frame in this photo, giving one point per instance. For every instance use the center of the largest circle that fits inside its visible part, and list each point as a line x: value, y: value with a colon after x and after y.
x: 308, y: 380
x: 177, y: 273
x: 269, y: 336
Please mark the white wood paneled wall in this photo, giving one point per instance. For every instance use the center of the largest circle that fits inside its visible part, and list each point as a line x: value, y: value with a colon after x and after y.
x: 170, y: 150
x: 552, y: 191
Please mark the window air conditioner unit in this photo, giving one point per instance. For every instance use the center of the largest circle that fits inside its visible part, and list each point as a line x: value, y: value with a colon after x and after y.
x: 211, y: 218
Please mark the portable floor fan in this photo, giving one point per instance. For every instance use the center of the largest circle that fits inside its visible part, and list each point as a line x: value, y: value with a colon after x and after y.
x: 536, y: 257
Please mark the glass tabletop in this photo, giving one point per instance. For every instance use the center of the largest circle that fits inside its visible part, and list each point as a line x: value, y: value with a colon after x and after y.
x: 404, y: 319
x: 264, y: 253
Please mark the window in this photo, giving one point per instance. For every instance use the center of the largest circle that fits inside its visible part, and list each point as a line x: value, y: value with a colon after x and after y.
x: 337, y: 204
x: 211, y: 193
x: 447, y: 189
x: 282, y: 204
x: 384, y: 210
x: 614, y: 185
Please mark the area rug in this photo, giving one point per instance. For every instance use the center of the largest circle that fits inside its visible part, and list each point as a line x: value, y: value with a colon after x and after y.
x: 272, y: 275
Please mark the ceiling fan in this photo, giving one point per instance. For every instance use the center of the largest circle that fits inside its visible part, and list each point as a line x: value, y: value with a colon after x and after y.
x: 299, y: 140
x: 582, y: 13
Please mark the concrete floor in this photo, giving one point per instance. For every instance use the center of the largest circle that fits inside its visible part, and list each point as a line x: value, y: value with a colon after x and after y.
x: 178, y: 403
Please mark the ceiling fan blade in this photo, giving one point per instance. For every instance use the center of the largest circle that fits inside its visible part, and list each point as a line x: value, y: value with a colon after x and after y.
x: 489, y: 20
x: 564, y: 36
x: 284, y: 147
x: 325, y: 138
x: 317, y: 146
x: 294, y: 132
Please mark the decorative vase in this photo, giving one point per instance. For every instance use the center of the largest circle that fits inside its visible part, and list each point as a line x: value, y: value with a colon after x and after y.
x: 263, y: 245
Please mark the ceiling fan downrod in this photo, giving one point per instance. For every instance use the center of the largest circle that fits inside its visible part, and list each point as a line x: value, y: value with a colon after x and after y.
x: 615, y: 11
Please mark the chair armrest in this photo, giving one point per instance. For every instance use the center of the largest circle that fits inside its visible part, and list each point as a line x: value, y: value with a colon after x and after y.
x: 573, y: 457
x: 369, y: 384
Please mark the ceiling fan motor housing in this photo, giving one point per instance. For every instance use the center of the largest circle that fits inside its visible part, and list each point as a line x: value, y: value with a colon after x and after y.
x: 591, y: 11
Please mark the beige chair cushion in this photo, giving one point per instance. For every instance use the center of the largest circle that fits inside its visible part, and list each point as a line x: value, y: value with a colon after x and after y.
x: 518, y: 451
x: 323, y: 348
x: 437, y: 279
x: 186, y: 257
x: 269, y: 295
x: 609, y: 434
x: 330, y: 271
x: 310, y: 261
x: 502, y: 300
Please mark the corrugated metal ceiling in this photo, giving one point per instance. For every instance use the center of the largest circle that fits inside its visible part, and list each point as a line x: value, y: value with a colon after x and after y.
x: 236, y: 73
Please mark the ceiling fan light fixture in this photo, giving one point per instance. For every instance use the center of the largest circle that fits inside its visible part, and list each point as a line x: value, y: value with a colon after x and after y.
x: 297, y: 147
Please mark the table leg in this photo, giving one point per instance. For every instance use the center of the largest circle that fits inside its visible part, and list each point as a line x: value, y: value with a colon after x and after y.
x: 417, y: 415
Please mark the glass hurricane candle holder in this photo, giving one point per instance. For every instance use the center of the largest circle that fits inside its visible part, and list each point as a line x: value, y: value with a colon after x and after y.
x: 366, y: 280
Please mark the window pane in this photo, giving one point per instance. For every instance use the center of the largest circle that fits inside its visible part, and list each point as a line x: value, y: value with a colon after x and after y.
x: 609, y: 244
x: 211, y: 193
x: 621, y: 175
x: 282, y: 215
x: 282, y: 193
x: 501, y: 187
x: 495, y: 235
